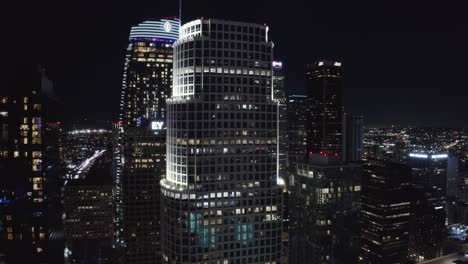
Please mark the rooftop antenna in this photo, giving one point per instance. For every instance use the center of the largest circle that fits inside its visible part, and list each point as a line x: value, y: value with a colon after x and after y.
x: 180, y: 11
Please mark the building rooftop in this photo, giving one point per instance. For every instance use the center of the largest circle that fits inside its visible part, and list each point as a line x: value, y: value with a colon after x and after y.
x: 455, y: 258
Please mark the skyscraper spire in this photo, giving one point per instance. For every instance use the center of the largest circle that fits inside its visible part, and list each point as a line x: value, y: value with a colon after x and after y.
x: 180, y: 11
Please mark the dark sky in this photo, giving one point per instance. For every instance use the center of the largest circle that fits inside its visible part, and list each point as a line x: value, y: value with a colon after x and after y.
x: 403, y: 63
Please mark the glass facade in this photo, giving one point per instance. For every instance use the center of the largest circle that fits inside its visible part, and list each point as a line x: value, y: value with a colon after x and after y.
x: 324, y: 211
x: 385, y: 212
x: 140, y: 148
x: 221, y: 199
x: 297, y: 133
x: 325, y: 109
x: 428, y: 216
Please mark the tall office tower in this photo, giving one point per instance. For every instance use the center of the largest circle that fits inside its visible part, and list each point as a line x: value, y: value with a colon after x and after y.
x: 324, y: 211
x: 221, y: 197
x: 429, y: 178
x: 23, y: 216
x: 462, y: 185
x: 279, y: 94
x: 147, y: 83
x: 117, y: 173
x: 54, y: 169
x: 353, y: 131
x: 461, y: 209
x: 297, y: 134
x: 385, y: 212
x: 325, y: 108
x: 452, y: 176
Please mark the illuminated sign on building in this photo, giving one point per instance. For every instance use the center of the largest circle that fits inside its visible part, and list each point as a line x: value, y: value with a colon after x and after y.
x: 157, y: 125
x: 167, y: 26
x: 277, y: 64
x: 158, y: 30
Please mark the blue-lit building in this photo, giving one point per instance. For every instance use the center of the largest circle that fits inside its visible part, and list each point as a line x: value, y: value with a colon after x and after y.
x: 140, y: 144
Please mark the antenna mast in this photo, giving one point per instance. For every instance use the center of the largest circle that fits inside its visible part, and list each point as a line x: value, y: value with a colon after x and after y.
x: 180, y: 11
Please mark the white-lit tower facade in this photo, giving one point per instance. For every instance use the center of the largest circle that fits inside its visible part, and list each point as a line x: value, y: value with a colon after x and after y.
x: 222, y: 198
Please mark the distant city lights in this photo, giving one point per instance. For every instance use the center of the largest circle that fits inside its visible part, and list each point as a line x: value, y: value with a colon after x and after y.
x: 88, y: 131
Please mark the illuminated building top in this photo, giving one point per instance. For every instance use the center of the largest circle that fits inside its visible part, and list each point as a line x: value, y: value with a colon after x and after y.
x: 163, y: 30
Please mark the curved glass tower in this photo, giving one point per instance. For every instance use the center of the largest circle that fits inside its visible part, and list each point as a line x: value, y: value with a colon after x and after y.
x: 221, y: 201
x: 140, y: 152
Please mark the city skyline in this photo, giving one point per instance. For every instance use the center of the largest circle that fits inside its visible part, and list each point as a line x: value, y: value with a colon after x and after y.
x: 247, y: 132
x: 404, y: 59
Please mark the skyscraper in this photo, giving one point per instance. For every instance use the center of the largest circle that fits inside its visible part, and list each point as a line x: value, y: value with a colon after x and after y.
x: 353, y: 132
x: 221, y: 199
x: 325, y: 108
x: 427, y: 226
x: 385, y: 212
x: 324, y: 211
x: 279, y: 94
x: 23, y: 206
x: 297, y: 133
x: 88, y: 204
x: 140, y: 145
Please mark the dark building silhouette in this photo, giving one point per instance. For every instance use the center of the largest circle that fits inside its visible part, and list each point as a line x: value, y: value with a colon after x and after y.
x: 353, y: 133
x: 385, y: 212
x: 297, y: 132
x: 324, y: 211
x: 324, y: 93
x: 428, y: 215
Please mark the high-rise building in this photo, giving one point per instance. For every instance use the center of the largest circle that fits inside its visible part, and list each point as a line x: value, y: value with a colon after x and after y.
x: 324, y: 211
x: 385, y: 212
x: 279, y: 94
x: 89, y: 214
x: 428, y: 215
x: 140, y: 146
x: 23, y: 206
x: 325, y: 109
x: 221, y: 198
x: 297, y: 133
x: 353, y: 133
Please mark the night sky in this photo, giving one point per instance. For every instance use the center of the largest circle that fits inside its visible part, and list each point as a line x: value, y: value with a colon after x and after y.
x: 403, y: 63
